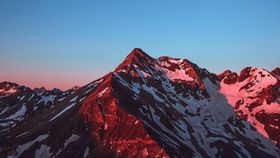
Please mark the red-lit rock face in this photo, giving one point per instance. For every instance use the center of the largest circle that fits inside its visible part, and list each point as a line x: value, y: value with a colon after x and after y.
x: 7, y: 88
x: 276, y: 71
x: 229, y: 77
x: 114, y: 130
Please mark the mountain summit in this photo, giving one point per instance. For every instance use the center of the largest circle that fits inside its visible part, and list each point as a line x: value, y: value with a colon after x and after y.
x: 147, y: 107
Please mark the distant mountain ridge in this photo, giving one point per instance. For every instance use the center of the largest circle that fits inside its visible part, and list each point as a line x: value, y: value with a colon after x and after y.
x: 146, y: 107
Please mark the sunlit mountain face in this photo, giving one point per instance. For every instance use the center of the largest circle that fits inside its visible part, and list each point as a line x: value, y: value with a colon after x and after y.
x: 146, y: 108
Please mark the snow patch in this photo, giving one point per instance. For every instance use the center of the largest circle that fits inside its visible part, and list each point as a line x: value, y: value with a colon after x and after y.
x: 46, y: 99
x: 64, y: 110
x: 18, y: 115
x: 22, y: 134
x: 43, y: 152
x: 21, y: 148
x: 86, y: 152
x: 102, y: 92
x: 71, y: 139
x: 74, y: 99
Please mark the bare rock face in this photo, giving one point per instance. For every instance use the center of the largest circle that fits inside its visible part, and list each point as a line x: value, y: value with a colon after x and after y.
x: 7, y: 88
x: 276, y: 71
x: 115, y: 130
x: 146, y: 107
x: 229, y: 77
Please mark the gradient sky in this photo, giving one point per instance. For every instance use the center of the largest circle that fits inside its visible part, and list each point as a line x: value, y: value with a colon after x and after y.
x: 70, y: 42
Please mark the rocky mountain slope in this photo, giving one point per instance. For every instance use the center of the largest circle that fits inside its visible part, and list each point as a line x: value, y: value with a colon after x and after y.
x: 146, y: 107
x: 254, y: 93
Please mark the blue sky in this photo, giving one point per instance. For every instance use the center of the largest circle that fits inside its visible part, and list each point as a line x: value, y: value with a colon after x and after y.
x: 49, y: 42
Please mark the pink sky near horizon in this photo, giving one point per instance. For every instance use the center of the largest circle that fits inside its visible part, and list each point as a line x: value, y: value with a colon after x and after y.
x: 62, y: 81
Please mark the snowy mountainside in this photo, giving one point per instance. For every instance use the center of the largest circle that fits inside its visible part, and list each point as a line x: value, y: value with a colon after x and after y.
x: 254, y: 93
x: 19, y: 102
x: 191, y: 116
x: 146, y: 107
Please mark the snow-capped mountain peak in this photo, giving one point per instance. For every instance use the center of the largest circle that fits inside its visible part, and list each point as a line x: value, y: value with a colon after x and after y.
x: 136, y: 57
x: 147, y: 107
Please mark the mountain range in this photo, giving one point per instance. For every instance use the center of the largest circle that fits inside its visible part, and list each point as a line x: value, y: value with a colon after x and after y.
x: 146, y: 108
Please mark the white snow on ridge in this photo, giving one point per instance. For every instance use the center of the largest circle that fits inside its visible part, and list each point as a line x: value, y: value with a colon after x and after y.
x: 71, y: 139
x: 176, y: 61
x: 22, y: 134
x: 61, y: 99
x: 18, y: 115
x: 102, y: 92
x: 46, y: 99
x: 31, y: 97
x: 64, y: 110
x: 178, y: 74
x: 94, y: 84
x: 260, y: 81
x: 22, y: 97
x: 74, y: 99
x: 4, y: 110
